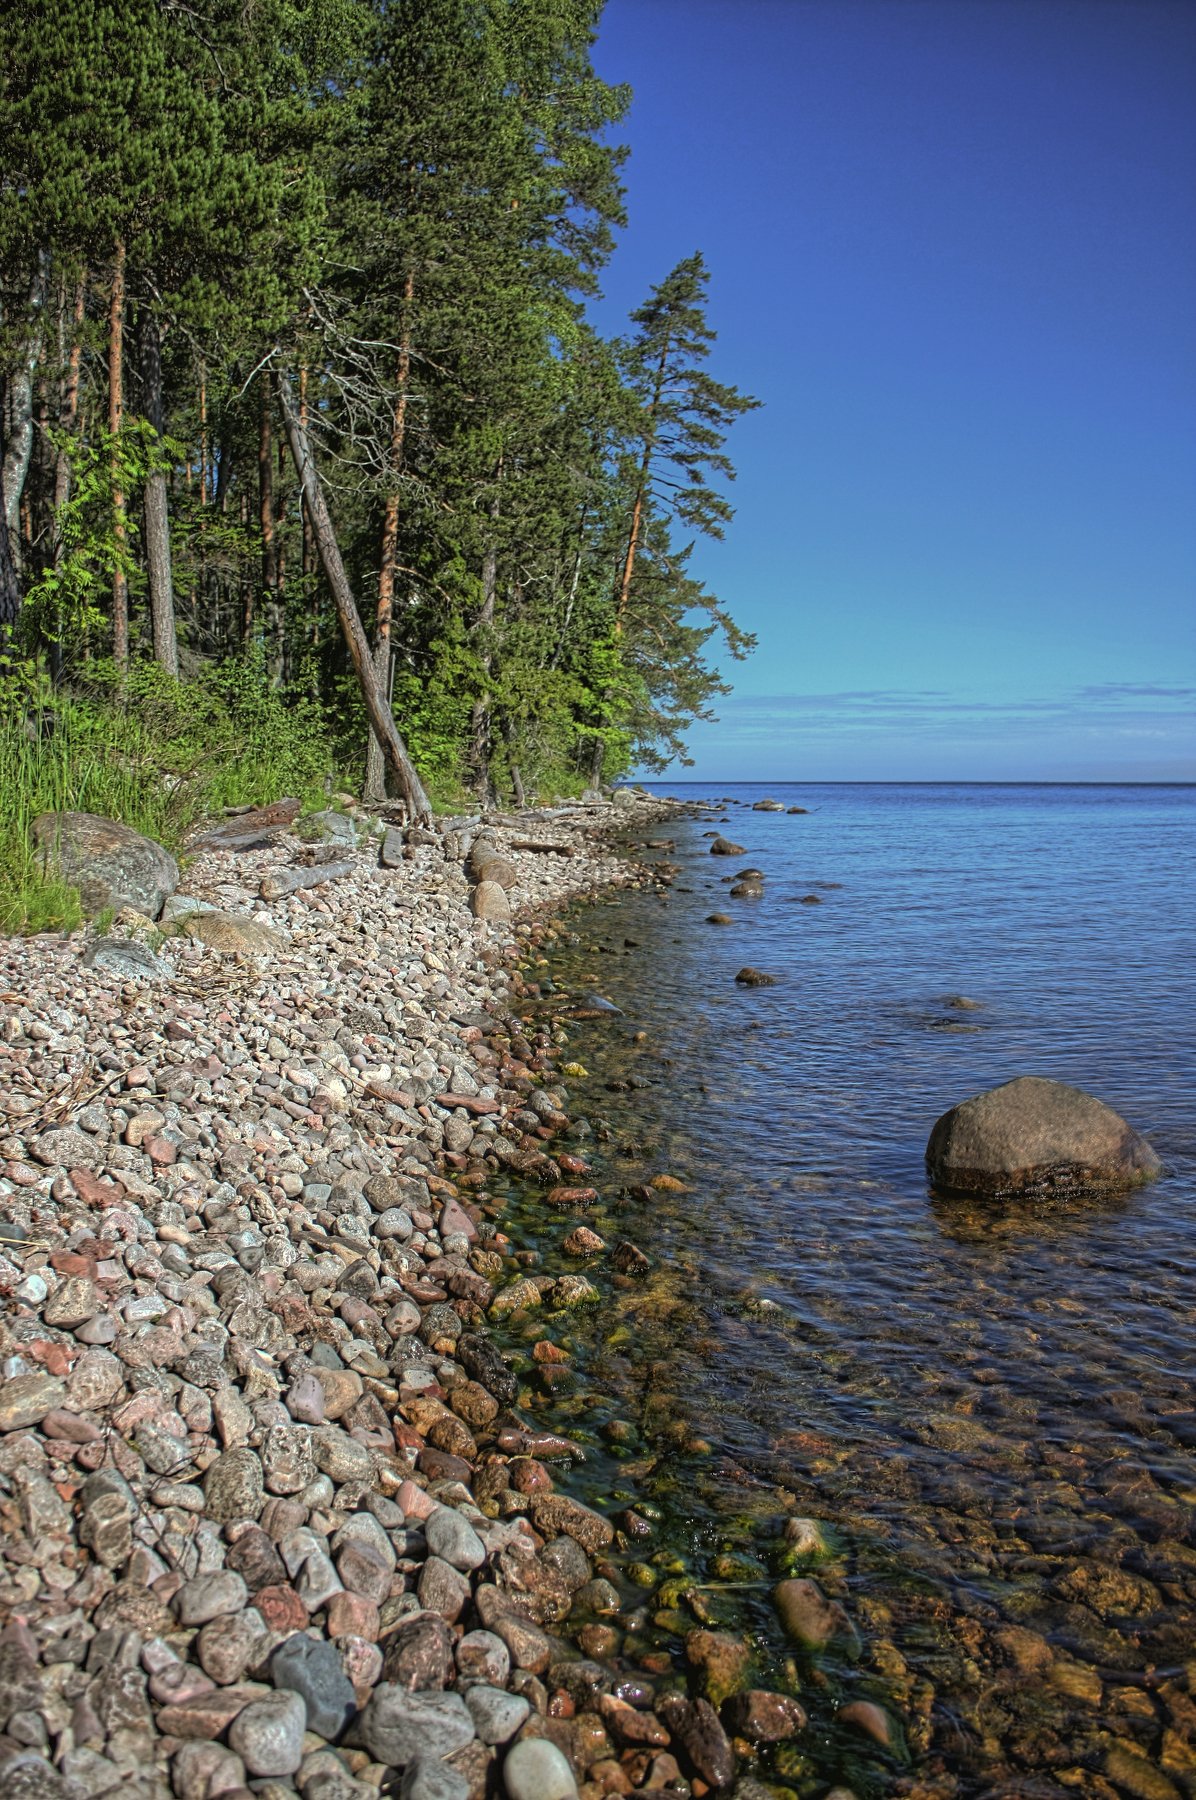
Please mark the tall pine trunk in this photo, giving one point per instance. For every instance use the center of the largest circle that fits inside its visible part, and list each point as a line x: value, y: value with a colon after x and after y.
x: 116, y: 415
x: 157, y: 510
x: 479, y: 721
x: 270, y: 592
x: 375, y: 766
x: 410, y: 786
x: 18, y: 449
x: 641, y: 491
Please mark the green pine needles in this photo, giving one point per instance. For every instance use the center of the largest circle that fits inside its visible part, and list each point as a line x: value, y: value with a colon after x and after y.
x: 404, y: 207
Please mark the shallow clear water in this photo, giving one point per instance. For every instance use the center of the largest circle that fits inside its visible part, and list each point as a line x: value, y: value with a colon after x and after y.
x: 992, y: 1405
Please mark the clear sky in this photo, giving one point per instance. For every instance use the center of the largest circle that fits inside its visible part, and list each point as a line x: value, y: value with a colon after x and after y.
x: 953, y: 250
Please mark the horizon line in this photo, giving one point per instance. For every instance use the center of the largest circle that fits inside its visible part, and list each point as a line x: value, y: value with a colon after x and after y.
x: 928, y: 781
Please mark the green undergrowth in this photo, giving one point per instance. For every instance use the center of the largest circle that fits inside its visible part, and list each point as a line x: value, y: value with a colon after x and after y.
x: 155, y: 753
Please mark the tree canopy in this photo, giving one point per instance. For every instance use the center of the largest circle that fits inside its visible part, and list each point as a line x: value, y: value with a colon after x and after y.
x: 391, y: 213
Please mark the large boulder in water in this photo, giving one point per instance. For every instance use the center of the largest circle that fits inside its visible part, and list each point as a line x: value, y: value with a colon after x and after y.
x: 1032, y: 1136
x: 111, y: 864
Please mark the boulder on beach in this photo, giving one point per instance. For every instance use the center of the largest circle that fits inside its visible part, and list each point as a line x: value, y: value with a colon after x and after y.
x: 724, y: 847
x: 490, y: 902
x: 111, y: 864
x: 1033, y: 1136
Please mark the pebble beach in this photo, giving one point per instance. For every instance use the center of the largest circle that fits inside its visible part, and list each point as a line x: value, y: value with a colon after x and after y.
x: 272, y: 1523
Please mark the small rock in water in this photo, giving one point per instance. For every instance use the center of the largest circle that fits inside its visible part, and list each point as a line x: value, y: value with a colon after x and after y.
x: 807, y: 1615
x: 749, y: 977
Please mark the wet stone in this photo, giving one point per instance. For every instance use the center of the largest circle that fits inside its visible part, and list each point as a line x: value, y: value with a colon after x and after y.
x: 554, y: 1514
x: 807, y: 1615
x: 696, y: 1731
x: 763, y: 1717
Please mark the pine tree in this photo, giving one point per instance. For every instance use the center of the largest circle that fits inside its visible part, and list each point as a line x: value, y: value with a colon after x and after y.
x: 685, y: 416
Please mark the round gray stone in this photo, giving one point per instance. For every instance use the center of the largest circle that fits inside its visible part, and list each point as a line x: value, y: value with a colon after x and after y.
x: 268, y: 1734
x: 536, y: 1770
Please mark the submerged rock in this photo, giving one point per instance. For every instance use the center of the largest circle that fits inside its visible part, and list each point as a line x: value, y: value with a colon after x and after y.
x: 749, y: 977
x: 1032, y: 1136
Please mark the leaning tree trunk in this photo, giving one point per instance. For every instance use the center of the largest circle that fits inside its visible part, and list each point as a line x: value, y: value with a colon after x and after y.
x: 157, y: 514
x: 409, y: 784
x: 375, y: 781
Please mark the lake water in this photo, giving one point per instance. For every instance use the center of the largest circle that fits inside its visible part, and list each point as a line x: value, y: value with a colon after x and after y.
x: 990, y: 1407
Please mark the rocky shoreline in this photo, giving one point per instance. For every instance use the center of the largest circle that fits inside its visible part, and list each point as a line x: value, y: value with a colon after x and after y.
x: 273, y: 1523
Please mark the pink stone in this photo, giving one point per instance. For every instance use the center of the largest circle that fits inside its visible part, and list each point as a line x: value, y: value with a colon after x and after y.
x: 414, y: 1501
x: 353, y: 1616
x: 362, y: 1664
x: 281, y: 1608
x: 178, y: 1683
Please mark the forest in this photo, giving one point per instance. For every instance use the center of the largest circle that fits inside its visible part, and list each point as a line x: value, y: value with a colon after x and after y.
x: 305, y: 424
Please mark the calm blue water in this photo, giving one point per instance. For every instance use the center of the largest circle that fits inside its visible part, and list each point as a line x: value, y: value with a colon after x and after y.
x: 992, y: 1404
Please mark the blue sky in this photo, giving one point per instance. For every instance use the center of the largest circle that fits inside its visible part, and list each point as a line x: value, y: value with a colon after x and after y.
x: 953, y: 250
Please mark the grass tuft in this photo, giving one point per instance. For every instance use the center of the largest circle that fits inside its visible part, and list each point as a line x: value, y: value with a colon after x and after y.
x: 155, y: 754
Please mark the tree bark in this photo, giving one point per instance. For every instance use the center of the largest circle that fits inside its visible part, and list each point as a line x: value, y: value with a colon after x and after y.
x: 116, y: 414
x: 637, y: 511
x: 375, y: 776
x: 19, y: 399
x: 68, y: 412
x: 270, y: 590
x: 10, y: 587
x: 157, y: 510
x: 479, y: 723
x: 410, y: 786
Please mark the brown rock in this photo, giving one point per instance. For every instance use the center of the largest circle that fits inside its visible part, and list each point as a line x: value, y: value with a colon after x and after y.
x: 1036, y: 1137
x: 583, y: 1242
x: 419, y: 1653
x: 701, y: 1739
x: 722, y: 1661
x: 209, y: 1715
x: 632, y: 1728
x: 281, y: 1607
x: 763, y: 1717
x: 489, y: 902
x: 554, y: 1514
